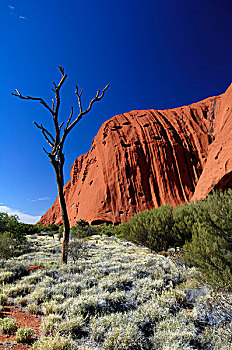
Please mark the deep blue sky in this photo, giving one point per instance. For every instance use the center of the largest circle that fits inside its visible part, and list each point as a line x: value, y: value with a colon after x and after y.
x: 153, y: 53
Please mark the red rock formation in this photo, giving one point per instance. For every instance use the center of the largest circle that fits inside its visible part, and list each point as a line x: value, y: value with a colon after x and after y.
x: 147, y: 158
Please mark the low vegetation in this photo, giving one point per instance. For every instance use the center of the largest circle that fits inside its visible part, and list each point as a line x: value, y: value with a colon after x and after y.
x: 204, y: 228
x: 118, y: 293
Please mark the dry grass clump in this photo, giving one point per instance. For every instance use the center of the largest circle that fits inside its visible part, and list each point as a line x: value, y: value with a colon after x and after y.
x: 118, y: 296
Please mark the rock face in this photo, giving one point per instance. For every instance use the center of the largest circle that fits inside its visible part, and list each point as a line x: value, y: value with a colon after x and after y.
x: 144, y: 159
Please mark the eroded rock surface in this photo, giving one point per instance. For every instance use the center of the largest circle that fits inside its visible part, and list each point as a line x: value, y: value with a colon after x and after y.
x: 148, y: 158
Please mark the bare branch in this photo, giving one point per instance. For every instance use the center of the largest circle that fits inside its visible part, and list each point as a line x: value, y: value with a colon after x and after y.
x: 45, y: 132
x: 64, y: 76
x: 79, y: 98
x: 61, y: 125
x: 61, y: 69
x: 80, y: 115
x: 70, y: 117
x: 33, y: 99
x: 49, y: 154
x: 57, y: 106
x: 68, y: 127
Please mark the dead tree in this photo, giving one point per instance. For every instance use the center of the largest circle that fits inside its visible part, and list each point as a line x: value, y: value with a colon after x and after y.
x: 56, y: 143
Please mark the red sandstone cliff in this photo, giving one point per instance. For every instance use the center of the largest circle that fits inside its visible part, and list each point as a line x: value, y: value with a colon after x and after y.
x: 147, y: 158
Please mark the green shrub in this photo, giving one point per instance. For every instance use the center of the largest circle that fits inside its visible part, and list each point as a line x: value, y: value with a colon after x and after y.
x: 48, y: 228
x: 8, y: 325
x: 12, y: 225
x: 7, y: 245
x: 83, y: 229
x: 185, y: 217
x: 152, y: 228
x: 24, y: 335
x: 211, y: 246
x: 107, y: 229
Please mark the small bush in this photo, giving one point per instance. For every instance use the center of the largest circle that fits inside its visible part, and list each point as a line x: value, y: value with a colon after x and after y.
x: 3, y: 299
x: 8, y: 325
x: 50, y: 324
x: 152, y: 228
x: 185, y: 217
x: 125, y: 338
x: 33, y: 309
x: 73, y: 327
x: 211, y: 246
x: 53, y: 343
x: 83, y: 229
x: 107, y: 229
x: 24, y: 335
x: 77, y: 248
x: 10, y: 224
x: 7, y: 245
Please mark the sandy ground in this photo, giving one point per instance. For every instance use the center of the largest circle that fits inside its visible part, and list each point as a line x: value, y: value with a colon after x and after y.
x: 24, y: 320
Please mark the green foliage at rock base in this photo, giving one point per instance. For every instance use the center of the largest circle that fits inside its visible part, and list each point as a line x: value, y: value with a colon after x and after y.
x: 152, y: 228
x: 211, y: 246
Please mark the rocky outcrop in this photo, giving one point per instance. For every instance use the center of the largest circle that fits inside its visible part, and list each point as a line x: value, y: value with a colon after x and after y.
x: 144, y: 159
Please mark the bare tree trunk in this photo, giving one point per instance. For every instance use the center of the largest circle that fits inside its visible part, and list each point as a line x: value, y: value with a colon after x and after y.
x: 58, y: 166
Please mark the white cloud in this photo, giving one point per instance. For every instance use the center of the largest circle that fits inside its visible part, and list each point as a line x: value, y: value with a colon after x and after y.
x: 11, y: 7
x: 22, y: 17
x: 39, y: 199
x: 43, y: 199
x: 26, y: 218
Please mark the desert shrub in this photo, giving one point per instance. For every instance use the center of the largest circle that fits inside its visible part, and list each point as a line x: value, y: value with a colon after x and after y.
x: 29, y: 229
x: 174, y: 332
x: 53, y: 343
x: 125, y: 337
x: 48, y: 228
x: 24, y: 335
x: 7, y: 245
x: 152, y: 228
x: 77, y: 247
x: 11, y: 224
x: 8, y: 325
x: 22, y: 301
x: 50, y: 324
x: 33, y: 309
x: 211, y: 246
x: 20, y: 289
x: 6, y: 277
x: 106, y: 229
x: 73, y: 327
x: 51, y: 307
x: 220, y: 337
x: 3, y: 299
x: 12, y: 236
x: 83, y: 229
x: 185, y: 217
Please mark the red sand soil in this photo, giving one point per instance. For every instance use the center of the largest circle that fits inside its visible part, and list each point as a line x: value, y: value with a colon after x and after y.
x: 24, y: 320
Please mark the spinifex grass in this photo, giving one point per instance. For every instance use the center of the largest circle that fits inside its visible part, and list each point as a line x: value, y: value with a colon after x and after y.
x: 117, y: 296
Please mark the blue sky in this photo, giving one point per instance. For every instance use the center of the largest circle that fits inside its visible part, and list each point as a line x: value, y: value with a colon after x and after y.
x: 153, y: 53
